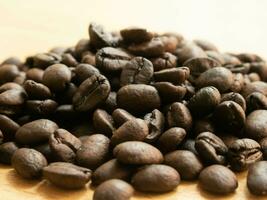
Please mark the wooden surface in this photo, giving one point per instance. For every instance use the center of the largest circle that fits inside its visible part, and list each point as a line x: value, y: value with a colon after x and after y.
x: 32, y: 26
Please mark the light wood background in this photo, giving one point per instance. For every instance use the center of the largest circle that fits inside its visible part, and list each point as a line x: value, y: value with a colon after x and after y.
x: 32, y: 26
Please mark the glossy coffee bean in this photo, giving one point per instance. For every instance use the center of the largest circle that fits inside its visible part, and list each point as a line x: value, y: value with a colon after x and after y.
x: 8, y: 73
x: 69, y: 60
x: 111, y: 102
x: 238, y: 84
x: 174, y: 75
x: 236, y: 97
x: 43, y: 60
x: 256, y: 101
x: 103, y: 122
x: 203, y: 125
x: 6, y: 151
x: 37, y: 91
x: 165, y: 61
x: 136, y: 35
x: 9, y: 127
x: 84, y: 71
x: 120, y: 116
x: 255, y: 126
x: 38, y: 107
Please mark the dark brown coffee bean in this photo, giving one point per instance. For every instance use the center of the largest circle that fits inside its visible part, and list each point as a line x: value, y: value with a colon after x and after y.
x: 189, y: 145
x: 36, y: 131
x: 136, y: 35
x: 156, y: 178
x: 236, y: 97
x: 152, y: 48
x: 113, y: 189
x: 81, y: 47
x: 165, y: 61
x: 35, y: 74
x: 259, y: 68
x: 94, y: 151
x: 255, y: 126
x: 37, y: 91
x: 256, y: 101
x: 211, y: 148
x: 219, y: 77
x: 43, y: 60
x: 8, y: 73
x: 64, y: 145
x: 263, y: 143
x: 174, y: 75
x: 28, y: 163
x: 257, y: 86
x: 243, y: 153
x: 111, y: 60
x: 137, y: 71
x: 239, y: 68
x: 10, y: 86
x: 111, y: 102
x: 179, y: 116
x: 110, y: 170
x: 103, y: 122
x: 132, y: 130
x: 8, y: 127
x: 204, y: 101
x: 218, y: 179
x: 67, y: 175
x: 206, y: 45
x: 137, y: 153
x: 45, y: 107
x: 88, y: 58
x: 238, y: 83
x: 229, y: 116
x: 46, y: 151
x: 6, y: 151
x: 170, y: 43
x: 69, y: 60
x: 203, y: 125
x: 138, y: 98
x: 121, y: 116
x: 171, y: 139
x: 185, y: 162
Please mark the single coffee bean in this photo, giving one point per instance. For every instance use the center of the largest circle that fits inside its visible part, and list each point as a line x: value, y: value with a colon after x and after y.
x: 257, y: 86
x: 94, y: 151
x: 165, y: 61
x: 244, y: 152
x: 111, y: 102
x: 113, y: 189
x: 136, y: 35
x: 236, y: 97
x: 56, y: 77
x: 206, y: 45
x: 263, y: 143
x: 46, y: 151
x: 13, y: 61
x: 218, y: 179
x: 240, y: 68
x: 111, y: 60
x: 84, y: 71
x: 170, y: 42
x: 256, y: 178
x: 132, y: 130
x: 138, y: 98
x: 259, y: 68
x: 43, y: 60
x: 67, y: 175
x: 204, y: 101
x: 189, y: 144
x: 179, y: 116
x: 211, y: 148
x: 185, y: 162
x: 137, y: 153
x: 219, y: 77
x: 203, y: 125
x: 8, y: 73
x: 103, y: 122
x: 44, y: 107
x: 8, y: 127
x: 110, y: 170
x: 6, y: 151
x: 64, y: 145
x: 171, y: 139
x: 69, y: 60
x: 256, y: 101
x: 156, y: 178
x: 238, y: 83
x: 36, y: 131
x: 137, y: 71
x: 255, y: 126
x: 230, y: 59
x: 173, y: 75
x: 28, y: 163
x: 10, y: 86
x: 37, y: 91
x: 248, y: 57
x: 88, y: 58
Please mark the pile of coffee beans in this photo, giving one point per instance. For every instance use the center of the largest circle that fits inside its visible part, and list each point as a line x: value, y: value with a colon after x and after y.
x: 136, y: 110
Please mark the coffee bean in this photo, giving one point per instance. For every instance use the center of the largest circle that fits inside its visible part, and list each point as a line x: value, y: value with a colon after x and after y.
x: 81, y: 47
x: 7, y: 150
x: 238, y: 83
x: 259, y: 68
x: 156, y: 178
x: 170, y: 42
x: 257, y: 86
x: 137, y: 153
x: 218, y: 179
x: 255, y: 126
x: 138, y: 98
x: 10, y: 86
x: 120, y: 116
x: 256, y: 178
x: 243, y: 153
x: 13, y: 61
x: 45, y: 107
x: 88, y: 58
x: 84, y: 71
x: 92, y: 92
x: 8, y: 73
x: 263, y: 143
x: 103, y: 122
x: 236, y: 97
x: 8, y: 127
x: 46, y: 151
x: 203, y: 125
x: 113, y: 189
x: 256, y: 101
x: 111, y: 102
x: 67, y: 175
x: 165, y: 61
x: 206, y: 45
x: 69, y: 60
x: 28, y: 163
x: 43, y: 60
x: 230, y: 59
x: 37, y: 91
x: 189, y: 144
x: 136, y: 35
x: 137, y: 71
x: 185, y: 162
x: 174, y: 75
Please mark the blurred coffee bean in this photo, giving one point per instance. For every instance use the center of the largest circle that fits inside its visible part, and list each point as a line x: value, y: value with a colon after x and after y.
x: 103, y: 122
x: 256, y: 101
x: 7, y: 150
x: 255, y: 126
x: 136, y: 35
x: 236, y: 97
x: 174, y: 75
x: 165, y: 61
x: 43, y: 60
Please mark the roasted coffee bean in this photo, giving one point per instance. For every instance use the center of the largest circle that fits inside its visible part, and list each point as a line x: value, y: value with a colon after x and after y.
x: 46, y: 151
x: 113, y: 189
x: 219, y: 77
x: 92, y: 92
x: 259, y: 68
x: 110, y: 170
x: 138, y: 98
x: 179, y: 116
x: 165, y: 61
x: 156, y: 178
x: 8, y: 127
x: 111, y: 60
x: 37, y: 91
x: 203, y: 125
x: 28, y: 163
x: 185, y: 162
x: 206, y: 45
x: 10, y: 86
x: 45, y: 107
x: 189, y: 145
x: 137, y: 71
x: 215, y: 55
x: 174, y: 75
x: 88, y: 58
x: 64, y: 145
x: 257, y: 86
x: 132, y: 130
x: 81, y: 47
x: 13, y: 61
x: 94, y: 151
x: 199, y: 65
x: 36, y: 131
x: 211, y: 148
x: 121, y: 116
x: 244, y: 152
x: 136, y: 35
x: 67, y: 175
x: 236, y: 97
x: 137, y: 153
x: 6, y: 151
x: 152, y: 48
x: 103, y: 122
x: 65, y: 97
x: 69, y: 60
x: 171, y: 139
x: 170, y: 42
x: 256, y: 101
x: 229, y: 116
x: 255, y: 126
x: 56, y: 77
x: 238, y: 83
x: 230, y: 59
x: 263, y: 143
x: 239, y: 68
x: 256, y: 178
x: 218, y: 179
x: 111, y: 102
x: 43, y: 60
x: 20, y: 79
x: 8, y: 73
x: 204, y: 101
